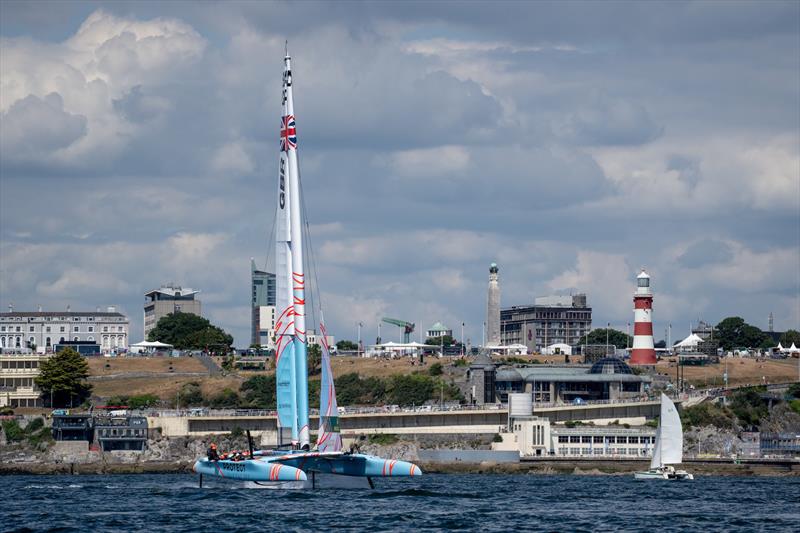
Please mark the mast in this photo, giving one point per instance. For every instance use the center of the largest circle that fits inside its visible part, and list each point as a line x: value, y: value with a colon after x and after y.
x: 286, y: 371
x: 289, y: 144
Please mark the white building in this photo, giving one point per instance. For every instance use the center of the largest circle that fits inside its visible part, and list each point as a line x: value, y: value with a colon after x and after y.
x: 18, y: 369
x: 439, y: 330
x: 44, y: 329
x: 266, y: 326
x: 314, y: 338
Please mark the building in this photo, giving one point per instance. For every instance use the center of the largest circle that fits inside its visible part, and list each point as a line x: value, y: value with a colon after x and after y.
x: 121, y: 432
x: 438, y: 330
x: 551, y: 320
x: 166, y: 300
x: 607, y: 379
x: 262, y: 305
x: 42, y: 330
x: 643, y: 351
x: 493, y: 307
x: 18, y: 369
x: 313, y: 338
x: 535, y: 436
x: 481, y: 380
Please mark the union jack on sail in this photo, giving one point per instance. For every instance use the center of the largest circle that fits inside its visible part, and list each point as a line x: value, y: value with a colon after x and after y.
x: 288, y: 133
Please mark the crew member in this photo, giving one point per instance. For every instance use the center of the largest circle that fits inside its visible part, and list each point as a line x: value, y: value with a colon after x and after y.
x: 212, y: 453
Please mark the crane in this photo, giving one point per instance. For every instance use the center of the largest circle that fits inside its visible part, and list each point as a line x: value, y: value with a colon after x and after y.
x: 408, y: 327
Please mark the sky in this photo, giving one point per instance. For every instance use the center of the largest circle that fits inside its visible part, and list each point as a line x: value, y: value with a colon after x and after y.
x: 570, y: 142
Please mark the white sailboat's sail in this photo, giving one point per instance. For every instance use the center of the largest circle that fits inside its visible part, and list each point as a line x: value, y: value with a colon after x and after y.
x: 668, y: 449
x: 292, y: 371
x: 671, y: 433
x: 329, y: 438
x: 655, y: 462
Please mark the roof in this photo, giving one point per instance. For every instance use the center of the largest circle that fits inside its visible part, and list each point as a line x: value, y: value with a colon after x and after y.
x: 565, y: 374
x: 173, y: 291
x: 33, y: 314
x: 438, y: 327
x: 691, y: 340
x: 642, y: 274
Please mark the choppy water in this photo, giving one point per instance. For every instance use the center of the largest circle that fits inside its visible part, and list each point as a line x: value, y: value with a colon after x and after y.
x: 433, y: 502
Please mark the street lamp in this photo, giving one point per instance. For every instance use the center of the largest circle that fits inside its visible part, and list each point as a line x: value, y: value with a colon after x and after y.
x: 462, y: 339
x: 608, y: 328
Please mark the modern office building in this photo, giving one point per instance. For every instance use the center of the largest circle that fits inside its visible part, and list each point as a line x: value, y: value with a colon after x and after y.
x: 42, y: 330
x: 551, y: 320
x: 607, y: 379
x: 262, y: 306
x: 168, y: 299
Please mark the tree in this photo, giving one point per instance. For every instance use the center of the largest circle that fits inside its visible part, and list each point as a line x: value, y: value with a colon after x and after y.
x: 615, y: 337
x: 791, y: 336
x: 346, y: 346
x: 734, y: 332
x: 63, y: 378
x: 314, y: 359
x: 445, y: 340
x: 186, y: 331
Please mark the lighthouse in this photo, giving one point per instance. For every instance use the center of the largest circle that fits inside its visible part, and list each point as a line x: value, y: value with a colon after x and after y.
x: 643, y: 352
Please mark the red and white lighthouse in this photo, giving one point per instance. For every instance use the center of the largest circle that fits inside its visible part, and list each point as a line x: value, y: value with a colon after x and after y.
x: 643, y: 352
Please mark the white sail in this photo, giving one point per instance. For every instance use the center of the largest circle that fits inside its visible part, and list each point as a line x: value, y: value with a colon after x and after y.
x: 669, y: 441
x: 655, y: 462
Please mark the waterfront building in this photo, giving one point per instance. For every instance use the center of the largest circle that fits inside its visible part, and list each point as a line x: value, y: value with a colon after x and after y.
x: 168, y: 299
x: 42, y: 330
x: 551, y: 320
x: 643, y: 351
x: 121, y: 432
x: 493, y: 307
x: 438, y: 330
x: 607, y: 379
x: 535, y: 436
x: 262, y: 306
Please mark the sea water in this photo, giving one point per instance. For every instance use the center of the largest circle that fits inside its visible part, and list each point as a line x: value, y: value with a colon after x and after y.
x: 155, y: 503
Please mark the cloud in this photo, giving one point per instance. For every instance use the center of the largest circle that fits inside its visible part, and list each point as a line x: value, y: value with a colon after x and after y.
x: 232, y: 158
x: 36, y: 127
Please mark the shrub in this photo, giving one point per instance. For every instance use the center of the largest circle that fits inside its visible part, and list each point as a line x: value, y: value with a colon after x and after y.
x: 435, y: 369
x: 226, y: 398
x: 383, y: 439
x: 795, y: 405
x: 460, y: 362
x: 35, y: 425
x: 707, y: 414
x: 143, y: 401
x: 236, y: 432
x: 497, y: 438
x: 13, y: 432
x: 259, y: 391
x: 748, y: 406
x: 190, y: 395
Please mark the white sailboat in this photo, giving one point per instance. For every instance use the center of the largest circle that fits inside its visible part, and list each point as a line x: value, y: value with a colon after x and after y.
x: 668, y: 450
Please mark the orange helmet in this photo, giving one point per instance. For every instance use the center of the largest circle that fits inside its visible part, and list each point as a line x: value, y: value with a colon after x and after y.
x: 213, y: 446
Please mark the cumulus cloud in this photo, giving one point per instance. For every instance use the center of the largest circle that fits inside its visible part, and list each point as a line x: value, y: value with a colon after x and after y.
x: 36, y: 127
x: 433, y: 140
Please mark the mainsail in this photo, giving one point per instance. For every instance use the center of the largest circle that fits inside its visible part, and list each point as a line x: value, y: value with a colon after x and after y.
x: 291, y: 353
x: 668, y: 449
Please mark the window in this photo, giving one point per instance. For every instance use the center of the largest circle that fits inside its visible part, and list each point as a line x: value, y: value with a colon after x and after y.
x: 105, y: 329
x: 622, y: 440
x: 563, y: 438
x: 76, y: 329
x: 30, y: 329
x: 598, y: 439
x: 586, y: 439
x: 47, y: 329
x: 575, y: 438
x: 119, y: 328
x: 19, y: 329
x: 90, y: 338
x: 62, y: 329
x: 3, y: 328
x: 633, y: 440
x: 75, y: 338
x: 91, y: 329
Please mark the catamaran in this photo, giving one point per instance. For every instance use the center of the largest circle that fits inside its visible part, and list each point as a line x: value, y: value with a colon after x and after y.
x: 668, y: 449
x: 300, y: 466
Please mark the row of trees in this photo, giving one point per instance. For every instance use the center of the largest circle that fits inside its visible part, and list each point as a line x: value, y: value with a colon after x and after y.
x: 187, y: 331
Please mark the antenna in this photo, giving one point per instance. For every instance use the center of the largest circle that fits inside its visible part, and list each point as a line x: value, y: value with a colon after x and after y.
x: 286, y: 47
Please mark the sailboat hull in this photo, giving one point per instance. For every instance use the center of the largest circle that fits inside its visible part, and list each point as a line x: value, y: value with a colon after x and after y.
x: 664, y: 475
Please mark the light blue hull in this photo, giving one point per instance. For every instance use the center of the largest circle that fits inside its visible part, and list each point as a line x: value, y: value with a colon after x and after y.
x: 249, y: 470
x: 359, y: 465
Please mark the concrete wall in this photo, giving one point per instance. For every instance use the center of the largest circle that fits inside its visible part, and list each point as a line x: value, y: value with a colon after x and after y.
x: 469, y: 456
